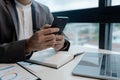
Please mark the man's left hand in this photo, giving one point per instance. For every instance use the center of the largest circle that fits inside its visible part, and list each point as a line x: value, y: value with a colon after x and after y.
x: 59, y: 42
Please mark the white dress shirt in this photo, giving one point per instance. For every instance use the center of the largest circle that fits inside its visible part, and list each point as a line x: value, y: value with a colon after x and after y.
x: 25, y: 20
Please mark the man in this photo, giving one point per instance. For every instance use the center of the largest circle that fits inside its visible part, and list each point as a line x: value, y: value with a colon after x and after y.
x: 25, y: 28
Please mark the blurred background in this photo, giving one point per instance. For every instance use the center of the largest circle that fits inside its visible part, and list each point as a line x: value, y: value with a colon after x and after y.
x: 86, y: 33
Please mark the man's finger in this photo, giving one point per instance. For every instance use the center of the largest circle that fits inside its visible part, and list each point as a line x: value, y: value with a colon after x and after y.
x: 59, y: 42
x: 50, y: 31
x: 45, y: 26
x: 50, y: 37
x: 50, y: 43
x: 59, y: 37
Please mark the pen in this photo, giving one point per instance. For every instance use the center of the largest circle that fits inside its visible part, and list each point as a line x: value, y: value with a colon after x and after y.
x: 29, y: 71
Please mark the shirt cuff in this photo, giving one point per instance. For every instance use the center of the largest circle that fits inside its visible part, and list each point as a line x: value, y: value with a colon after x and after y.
x: 28, y: 54
x: 66, y: 46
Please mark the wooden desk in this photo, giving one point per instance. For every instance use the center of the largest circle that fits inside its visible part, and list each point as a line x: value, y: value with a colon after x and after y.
x: 64, y: 73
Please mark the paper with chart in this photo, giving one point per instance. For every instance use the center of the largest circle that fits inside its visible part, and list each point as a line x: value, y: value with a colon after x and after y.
x: 14, y: 72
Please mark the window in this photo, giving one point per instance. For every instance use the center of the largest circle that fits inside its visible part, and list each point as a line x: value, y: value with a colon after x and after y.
x: 90, y: 21
x: 115, y: 2
x: 116, y: 37
x: 63, y: 5
x: 86, y: 34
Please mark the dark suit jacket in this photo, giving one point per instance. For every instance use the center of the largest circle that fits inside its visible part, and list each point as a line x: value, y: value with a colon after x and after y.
x: 12, y: 50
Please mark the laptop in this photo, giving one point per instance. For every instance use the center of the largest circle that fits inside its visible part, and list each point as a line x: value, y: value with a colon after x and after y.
x: 99, y: 65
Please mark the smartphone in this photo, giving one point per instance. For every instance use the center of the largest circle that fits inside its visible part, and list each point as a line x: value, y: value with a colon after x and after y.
x: 60, y: 22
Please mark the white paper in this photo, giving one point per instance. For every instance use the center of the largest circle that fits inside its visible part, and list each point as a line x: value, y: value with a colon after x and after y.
x: 14, y: 72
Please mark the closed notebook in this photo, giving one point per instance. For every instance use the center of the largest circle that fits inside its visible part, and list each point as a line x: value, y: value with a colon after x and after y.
x: 51, y: 58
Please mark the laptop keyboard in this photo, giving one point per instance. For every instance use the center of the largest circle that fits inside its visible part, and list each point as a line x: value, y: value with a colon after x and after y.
x: 110, y: 65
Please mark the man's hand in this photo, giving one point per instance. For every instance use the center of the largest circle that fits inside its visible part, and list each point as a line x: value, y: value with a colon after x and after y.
x: 59, y: 42
x: 43, y: 39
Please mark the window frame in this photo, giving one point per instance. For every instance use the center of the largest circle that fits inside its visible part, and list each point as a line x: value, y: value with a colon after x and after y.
x: 105, y: 14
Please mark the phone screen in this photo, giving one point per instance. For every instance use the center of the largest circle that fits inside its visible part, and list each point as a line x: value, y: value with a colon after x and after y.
x: 60, y: 22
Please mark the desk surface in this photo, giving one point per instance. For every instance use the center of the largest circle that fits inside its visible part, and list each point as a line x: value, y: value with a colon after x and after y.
x: 64, y: 72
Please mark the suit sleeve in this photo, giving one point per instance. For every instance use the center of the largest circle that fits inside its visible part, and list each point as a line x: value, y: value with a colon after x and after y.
x: 12, y: 52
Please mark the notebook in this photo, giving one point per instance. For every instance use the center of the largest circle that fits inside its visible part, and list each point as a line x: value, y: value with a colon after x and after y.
x: 99, y: 65
x: 51, y: 58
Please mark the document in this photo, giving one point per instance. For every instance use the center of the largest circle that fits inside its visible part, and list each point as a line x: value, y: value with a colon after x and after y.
x: 51, y: 58
x: 15, y: 72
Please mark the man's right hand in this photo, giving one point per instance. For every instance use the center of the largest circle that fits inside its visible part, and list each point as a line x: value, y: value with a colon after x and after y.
x: 42, y: 39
